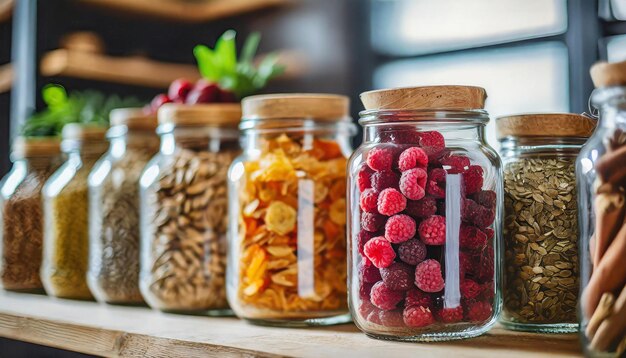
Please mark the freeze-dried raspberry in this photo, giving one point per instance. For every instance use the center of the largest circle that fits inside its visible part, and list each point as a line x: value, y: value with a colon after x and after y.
x: 455, y: 163
x: 398, y: 276
x: 372, y: 221
x: 402, y: 136
x: 473, y: 179
x: 433, y: 230
x: 365, y: 308
x: 470, y: 289
x: 416, y: 297
x: 465, y: 264
x: 413, y: 157
x: 413, y: 183
x: 399, y: 228
x: 486, y: 218
x: 486, y: 198
x: 369, y: 200
x: 364, y: 290
x: 422, y: 208
x: 390, y: 202
x: 369, y: 274
x: 384, y: 180
x: 391, y: 318
x: 432, y: 142
x: 474, y: 213
x: 362, y: 238
x: 428, y: 276
x: 380, y: 158
x: 470, y: 237
x: 484, y: 271
x: 450, y: 315
x: 489, y: 232
x: 436, y: 185
x: 418, y: 316
x: 384, y: 297
x: 479, y: 311
x: 412, y: 251
x: 374, y: 316
x: 380, y: 252
x: 364, y: 178
x: 488, y: 291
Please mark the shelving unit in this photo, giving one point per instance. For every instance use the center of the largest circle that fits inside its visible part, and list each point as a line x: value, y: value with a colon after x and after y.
x: 110, y: 331
x: 6, y: 9
x: 6, y: 77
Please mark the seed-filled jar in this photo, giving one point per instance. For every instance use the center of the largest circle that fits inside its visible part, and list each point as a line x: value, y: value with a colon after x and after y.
x: 66, y: 213
x: 287, y: 254
x: 21, y: 218
x: 540, y: 233
x: 424, y: 201
x: 601, y: 176
x: 113, y: 274
x: 184, y: 209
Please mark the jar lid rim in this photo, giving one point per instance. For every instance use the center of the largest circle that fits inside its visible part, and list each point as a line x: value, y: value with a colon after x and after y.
x: 280, y: 106
x: 544, y: 125
x: 133, y: 118
x: 441, y: 97
x: 195, y: 115
x: 35, y: 146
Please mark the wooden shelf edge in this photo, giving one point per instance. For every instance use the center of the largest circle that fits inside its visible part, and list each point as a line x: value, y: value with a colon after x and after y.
x: 6, y: 77
x: 187, y: 11
x: 6, y: 9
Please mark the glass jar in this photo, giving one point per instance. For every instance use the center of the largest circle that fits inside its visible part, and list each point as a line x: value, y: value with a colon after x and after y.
x: 184, y: 209
x: 287, y: 253
x: 425, y: 197
x: 113, y: 274
x: 541, y: 273
x: 66, y: 213
x: 21, y: 218
x: 601, y: 188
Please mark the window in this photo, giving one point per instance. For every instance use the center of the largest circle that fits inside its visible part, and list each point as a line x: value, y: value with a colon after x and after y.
x: 616, y: 48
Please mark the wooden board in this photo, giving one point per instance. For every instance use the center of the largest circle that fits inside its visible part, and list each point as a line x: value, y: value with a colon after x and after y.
x: 113, y: 331
x: 188, y: 11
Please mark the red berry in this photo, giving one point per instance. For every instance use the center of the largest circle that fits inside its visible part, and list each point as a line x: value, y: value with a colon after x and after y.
x: 365, y: 290
x: 403, y: 136
x: 432, y: 143
x: 488, y: 291
x: 225, y: 96
x: 465, y: 264
x: 436, y: 185
x: 413, y: 183
x: 450, y: 315
x: 484, y: 265
x: 422, y: 208
x: 369, y: 274
x: 179, y: 89
x: 479, y: 311
x: 391, y: 318
x: 473, y: 179
x: 428, y: 276
x: 433, y: 230
x: 476, y: 214
x: 384, y: 297
x: 470, y: 289
x: 397, y: 276
x: 486, y: 198
x: 372, y: 222
x: 158, y: 101
x: 384, y: 180
x: 412, y: 251
x: 362, y: 238
x: 364, y: 178
x: 380, y: 252
x: 454, y: 163
x: 489, y: 232
x: 369, y: 200
x: 399, y: 228
x: 416, y: 297
x: 380, y: 158
x: 365, y: 308
x: 390, y: 202
x: 203, y: 92
x: 470, y: 237
x: 413, y: 157
x: 374, y: 316
x: 418, y: 316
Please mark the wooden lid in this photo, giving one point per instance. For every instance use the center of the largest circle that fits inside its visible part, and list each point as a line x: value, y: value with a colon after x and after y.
x: 319, y: 106
x: 36, y: 147
x: 545, y: 125
x: 133, y: 119
x: 84, y: 132
x: 427, y: 97
x: 606, y: 74
x: 223, y: 114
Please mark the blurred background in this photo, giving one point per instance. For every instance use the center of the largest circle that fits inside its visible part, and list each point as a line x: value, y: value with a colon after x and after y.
x: 531, y: 55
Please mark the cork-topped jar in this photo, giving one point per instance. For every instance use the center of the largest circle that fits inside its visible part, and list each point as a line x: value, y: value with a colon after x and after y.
x: 184, y: 209
x: 424, y: 204
x: 541, y: 270
x: 287, y: 211
x: 21, y: 213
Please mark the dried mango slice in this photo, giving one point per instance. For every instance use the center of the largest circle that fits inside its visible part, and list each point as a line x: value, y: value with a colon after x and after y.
x: 337, y: 212
x: 280, y: 218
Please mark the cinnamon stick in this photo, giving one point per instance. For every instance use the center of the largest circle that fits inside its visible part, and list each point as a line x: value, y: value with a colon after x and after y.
x: 613, y: 329
x: 610, y: 211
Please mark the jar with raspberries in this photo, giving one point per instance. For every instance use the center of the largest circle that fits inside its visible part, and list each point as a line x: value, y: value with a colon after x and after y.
x: 424, y: 200
x: 287, y: 254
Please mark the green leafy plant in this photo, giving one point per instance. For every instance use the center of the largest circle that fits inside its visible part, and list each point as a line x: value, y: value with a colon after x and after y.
x: 77, y: 107
x: 241, y: 76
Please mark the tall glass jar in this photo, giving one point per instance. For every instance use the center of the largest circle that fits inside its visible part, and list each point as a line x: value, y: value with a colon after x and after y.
x: 287, y: 254
x: 425, y: 198
x: 541, y: 263
x: 601, y: 188
x: 66, y: 213
x: 113, y: 274
x: 21, y: 218
x: 184, y: 209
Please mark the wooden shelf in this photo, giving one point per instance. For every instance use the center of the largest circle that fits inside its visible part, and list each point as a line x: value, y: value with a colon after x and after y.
x: 109, y: 331
x: 6, y: 77
x: 6, y: 9
x: 186, y: 10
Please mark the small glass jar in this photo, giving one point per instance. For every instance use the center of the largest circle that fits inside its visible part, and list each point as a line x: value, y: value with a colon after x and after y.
x: 184, y: 209
x: 21, y: 218
x: 541, y: 263
x: 602, y: 203
x: 425, y: 197
x: 66, y: 213
x: 114, y: 241
x: 287, y: 253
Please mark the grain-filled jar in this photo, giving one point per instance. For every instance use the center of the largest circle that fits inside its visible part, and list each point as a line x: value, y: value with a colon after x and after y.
x: 66, y: 213
x: 114, y: 241
x: 21, y: 218
x: 602, y: 216
x: 287, y: 253
x: 540, y: 231
x: 424, y: 200
x: 184, y: 209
